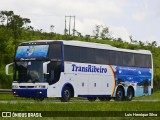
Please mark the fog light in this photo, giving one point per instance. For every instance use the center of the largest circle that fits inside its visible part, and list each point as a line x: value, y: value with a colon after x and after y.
x: 15, y: 94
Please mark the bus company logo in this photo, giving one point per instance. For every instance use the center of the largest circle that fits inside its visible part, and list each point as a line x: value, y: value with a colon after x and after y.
x: 89, y: 68
x: 30, y: 50
x: 21, y: 114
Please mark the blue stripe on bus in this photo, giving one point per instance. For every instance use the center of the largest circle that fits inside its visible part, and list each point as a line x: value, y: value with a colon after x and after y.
x: 31, y: 93
x: 62, y: 67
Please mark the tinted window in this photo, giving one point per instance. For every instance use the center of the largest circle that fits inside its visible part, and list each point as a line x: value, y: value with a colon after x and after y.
x: 87, y: 55
x: 72, y: 53
x: 102, y: 56
x: 116, y: 58
x: 139, y: 60
x: 148, y: 61
x: 55, y: 51
x: 128, y: 59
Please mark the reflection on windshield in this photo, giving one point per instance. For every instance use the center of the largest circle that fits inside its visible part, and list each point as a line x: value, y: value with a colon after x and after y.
x: 29, y: 71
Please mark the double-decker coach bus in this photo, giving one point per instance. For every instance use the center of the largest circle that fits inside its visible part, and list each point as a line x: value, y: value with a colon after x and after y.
x: 66, y: 69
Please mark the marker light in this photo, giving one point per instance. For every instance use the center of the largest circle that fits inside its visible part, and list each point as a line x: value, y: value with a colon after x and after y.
x: 40, y: 86
x: 14, y: 86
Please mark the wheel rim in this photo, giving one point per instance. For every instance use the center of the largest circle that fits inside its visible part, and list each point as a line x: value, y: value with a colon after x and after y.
x: 67, y: 93
x: 119, y: 94
x: 130, y: 95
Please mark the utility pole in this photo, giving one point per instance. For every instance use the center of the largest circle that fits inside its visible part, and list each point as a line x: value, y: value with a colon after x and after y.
x: 69, y: 24
x: 74, y: 26
x: 65, y: 30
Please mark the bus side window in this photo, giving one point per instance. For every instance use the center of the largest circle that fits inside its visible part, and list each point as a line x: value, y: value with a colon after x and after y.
x: 55, y: 51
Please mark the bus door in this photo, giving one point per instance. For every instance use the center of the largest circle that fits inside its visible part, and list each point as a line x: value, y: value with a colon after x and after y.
x: 56, y: 65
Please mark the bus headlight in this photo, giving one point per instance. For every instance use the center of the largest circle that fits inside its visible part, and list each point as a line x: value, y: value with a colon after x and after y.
x: 40, y: 86
x: 14, y: 86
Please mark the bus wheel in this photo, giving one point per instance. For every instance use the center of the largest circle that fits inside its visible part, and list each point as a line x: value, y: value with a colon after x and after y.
x: 66, y: 94
x: 119, y: 94
x: 104, y: 98
x: 130, y: 94
x: 91, y: 99
x: 41, y: 99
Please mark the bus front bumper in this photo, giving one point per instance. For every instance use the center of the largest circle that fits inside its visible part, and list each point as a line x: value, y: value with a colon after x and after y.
x: 30, y: 93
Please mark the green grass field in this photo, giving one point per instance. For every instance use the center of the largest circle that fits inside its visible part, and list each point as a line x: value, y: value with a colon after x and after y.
x: 80, y: 105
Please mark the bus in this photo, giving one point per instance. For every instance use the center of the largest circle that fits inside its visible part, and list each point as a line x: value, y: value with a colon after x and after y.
x: 67, y: 69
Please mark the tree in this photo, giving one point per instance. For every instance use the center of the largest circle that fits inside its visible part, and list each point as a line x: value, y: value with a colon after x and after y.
x: 2, y: 18
x: 119, y: 40
x: 141, y: 43
x: 6, y: 17
x: 79, y: 34
x: 96, y: 32
x: 52, y: 28
x: 101, y: 32
x: 26, y: 21
x: 15, y: 23
x: 132, y: 40
x: 105, y: 33
x: 154, y: 43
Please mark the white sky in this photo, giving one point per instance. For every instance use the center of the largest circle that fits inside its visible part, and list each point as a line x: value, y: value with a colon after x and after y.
x: 139, y: 18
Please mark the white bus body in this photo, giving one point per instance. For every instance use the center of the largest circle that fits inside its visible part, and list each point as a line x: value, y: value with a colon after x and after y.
x: 82, y: 69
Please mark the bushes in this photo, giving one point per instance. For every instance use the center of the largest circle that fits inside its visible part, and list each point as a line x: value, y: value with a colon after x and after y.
x: 5, y: 81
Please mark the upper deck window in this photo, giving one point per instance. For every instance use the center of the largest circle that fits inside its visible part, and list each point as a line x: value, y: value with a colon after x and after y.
x: 32, y: 51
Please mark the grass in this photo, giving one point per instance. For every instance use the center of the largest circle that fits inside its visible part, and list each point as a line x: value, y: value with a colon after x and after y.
x: 75, y: 105
x: 82, y: 106
x: 154, y: 96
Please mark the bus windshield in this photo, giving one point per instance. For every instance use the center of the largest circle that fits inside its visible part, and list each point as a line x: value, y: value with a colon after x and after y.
x: 29, y: 71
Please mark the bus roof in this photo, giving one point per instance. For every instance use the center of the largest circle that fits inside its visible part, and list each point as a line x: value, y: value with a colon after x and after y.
x: 92, y: 45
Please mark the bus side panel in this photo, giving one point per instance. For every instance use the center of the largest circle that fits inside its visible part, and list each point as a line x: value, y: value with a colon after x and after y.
x: 55, y: 90
x: 90, y: 79
x: 101, y: 85
x: 81, y: 84
x: 139, y: 78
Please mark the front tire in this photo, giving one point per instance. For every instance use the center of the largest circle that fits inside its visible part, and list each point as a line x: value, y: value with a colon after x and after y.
x: 119, y: 94
x: 66, y: 94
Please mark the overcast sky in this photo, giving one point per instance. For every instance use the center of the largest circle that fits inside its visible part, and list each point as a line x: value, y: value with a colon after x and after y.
x: 139, y: 18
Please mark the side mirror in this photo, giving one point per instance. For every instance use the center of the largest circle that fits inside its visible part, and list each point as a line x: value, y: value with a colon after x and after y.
x: 45, y: 67
x: 7, y: 69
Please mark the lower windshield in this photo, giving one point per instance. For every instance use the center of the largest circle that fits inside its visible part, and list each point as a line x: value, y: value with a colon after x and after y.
x: 31, y: 71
